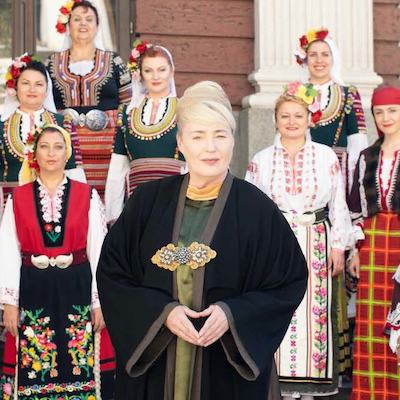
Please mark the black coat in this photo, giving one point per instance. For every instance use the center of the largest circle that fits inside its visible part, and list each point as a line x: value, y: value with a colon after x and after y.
x: 259, y: 276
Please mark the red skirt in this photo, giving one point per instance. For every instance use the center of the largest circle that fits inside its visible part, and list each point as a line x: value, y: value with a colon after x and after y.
x: 376, y: 375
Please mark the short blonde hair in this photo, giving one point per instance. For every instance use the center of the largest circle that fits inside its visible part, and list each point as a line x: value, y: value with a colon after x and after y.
x: 206, y: 103
x: 283, y: 98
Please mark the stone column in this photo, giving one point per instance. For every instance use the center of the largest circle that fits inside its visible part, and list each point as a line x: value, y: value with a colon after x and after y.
x: 278, y: 25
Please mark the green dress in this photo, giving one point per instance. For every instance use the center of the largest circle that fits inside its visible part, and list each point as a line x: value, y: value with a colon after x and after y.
x: 195, y: 217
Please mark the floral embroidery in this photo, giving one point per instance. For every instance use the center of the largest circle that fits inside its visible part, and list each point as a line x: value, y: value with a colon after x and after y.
x: 56, y: 390
x: 6, y: 387
x: 319, y: 310
x: 51, y: 211
x: 38, y: 352
x: 293, y: 345
x: 80, y: 345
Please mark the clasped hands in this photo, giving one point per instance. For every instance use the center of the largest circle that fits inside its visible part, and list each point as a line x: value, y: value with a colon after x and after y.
x: 215, y: 326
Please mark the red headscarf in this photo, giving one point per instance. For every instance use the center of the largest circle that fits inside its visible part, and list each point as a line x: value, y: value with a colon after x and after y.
x: 384, y: 96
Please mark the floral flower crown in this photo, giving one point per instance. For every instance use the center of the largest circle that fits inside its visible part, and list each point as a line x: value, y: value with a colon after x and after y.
x: 29, y: 148
x: 308, y: 94
x: 14, y: 71
x: 306, y: 40
x: 65, y: 14
x: 139, y: 48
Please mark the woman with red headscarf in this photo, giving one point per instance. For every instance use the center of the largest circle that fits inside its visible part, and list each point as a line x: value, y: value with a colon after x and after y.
x: 375, y: 204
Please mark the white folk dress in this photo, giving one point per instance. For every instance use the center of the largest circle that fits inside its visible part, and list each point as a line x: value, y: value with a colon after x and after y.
x: 306, y: 360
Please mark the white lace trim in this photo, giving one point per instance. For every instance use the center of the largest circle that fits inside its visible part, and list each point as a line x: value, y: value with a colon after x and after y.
x: 51, y: 205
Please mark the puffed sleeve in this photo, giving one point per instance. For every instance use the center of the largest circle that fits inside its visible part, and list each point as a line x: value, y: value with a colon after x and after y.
x: 253, y: 172
x: 124, y: 80
x: 393, y: 319
x: 10, y: 266
x: 356, y: 131
x: 339, y: 215
x: 95, y: 237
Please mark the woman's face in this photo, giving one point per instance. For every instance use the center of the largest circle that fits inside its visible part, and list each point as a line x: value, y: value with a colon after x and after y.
x: 83, y: 25
x: 156, y: 74
x: 387, y: 118
x: 319, y: 62
x: 292, y: 120
x: 207, y: 149
x: 31, y: 90
x: 51, y: 152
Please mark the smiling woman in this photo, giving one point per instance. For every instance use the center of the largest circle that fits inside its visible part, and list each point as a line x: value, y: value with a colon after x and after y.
x: 50, y: 240
x: 303, y: 178
x: 145, y: 146
x: 191, y: 273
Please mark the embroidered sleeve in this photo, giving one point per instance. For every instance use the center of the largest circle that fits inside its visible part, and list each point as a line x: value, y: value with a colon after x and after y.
x: 124, y: 80
x: 357, y: 200
x: 355, y: 121
x: 96, y: 234
x: 115, y: 186
x: 339, y: 216
x: 393, y: 326
x: 253, y: 172
x: 10, y: 265
x: 355, y: 144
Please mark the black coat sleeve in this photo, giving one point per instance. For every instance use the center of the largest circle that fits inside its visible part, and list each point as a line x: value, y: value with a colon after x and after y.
x: 134, y: 314
x: 274, y: 287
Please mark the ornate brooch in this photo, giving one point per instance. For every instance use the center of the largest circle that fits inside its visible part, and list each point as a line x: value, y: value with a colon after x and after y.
x: 195, y: 255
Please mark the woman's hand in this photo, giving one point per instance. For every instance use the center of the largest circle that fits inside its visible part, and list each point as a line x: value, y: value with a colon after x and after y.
x: 214, y: 327
x: 180, y: 325
x: 11, y: 318
x: 354, y: 266
x: 98, y: 320
x: 336, y: 261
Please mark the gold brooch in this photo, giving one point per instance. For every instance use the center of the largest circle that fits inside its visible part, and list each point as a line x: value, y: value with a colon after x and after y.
x: 195, y: 255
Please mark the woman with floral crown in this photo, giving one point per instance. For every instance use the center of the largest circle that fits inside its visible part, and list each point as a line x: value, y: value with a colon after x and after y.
x: 145, y: 146
x: 50, y: 241
x: 305, y: 181
x: 28, y: 104
x: 375, y: 205
x: 89, y: 84
x: 342, y: 122
x: 342, y: 127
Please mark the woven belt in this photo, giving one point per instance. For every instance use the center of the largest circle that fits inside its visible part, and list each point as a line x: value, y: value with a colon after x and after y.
x: 95, y: 120
x: 309, y: 217
x: 61, y: 261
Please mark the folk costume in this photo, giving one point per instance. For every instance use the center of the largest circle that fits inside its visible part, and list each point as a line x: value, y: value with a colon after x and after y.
x: 145, y: 146
x: 374, y: 202
x: 171, y: 247
x: 90, y: 92
x: 342, y: 127
x: 310, y: 194
x: 15, y: 127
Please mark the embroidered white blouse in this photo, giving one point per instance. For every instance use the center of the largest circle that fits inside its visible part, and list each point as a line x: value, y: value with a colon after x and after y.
x: 313, y: 182
x: 10, y: 250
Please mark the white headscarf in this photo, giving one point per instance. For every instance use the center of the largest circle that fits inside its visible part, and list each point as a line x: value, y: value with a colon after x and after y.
x: 336, y: 63
x: 139, y: 91
x: 11, y: 103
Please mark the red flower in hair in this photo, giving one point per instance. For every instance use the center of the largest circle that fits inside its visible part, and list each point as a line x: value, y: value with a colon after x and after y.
x: 26, y: 59
x: 15, y: 72
x: 141, y: 48
x: 64, y: 10
x: 11, y: 84
x: 61, y: 28
x: 303, y: 41
x: 315, y: 117
x: 321, y: 35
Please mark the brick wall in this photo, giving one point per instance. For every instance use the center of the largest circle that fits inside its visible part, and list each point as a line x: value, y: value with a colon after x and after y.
x: 209, y: 39
x: 387, y: 40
